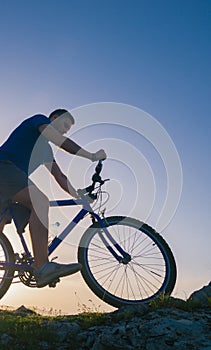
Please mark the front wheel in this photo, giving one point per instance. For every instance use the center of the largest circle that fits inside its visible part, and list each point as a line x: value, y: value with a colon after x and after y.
x: 6, y: 256
x: 150, y: 271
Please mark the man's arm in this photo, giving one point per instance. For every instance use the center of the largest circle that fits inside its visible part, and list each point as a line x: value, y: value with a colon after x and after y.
x: 51, y: 134
x: 61, y: 179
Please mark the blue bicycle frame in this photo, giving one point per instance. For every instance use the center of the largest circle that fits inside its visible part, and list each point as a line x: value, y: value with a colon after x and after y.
x: 58, y: 240
x: 86, y: 208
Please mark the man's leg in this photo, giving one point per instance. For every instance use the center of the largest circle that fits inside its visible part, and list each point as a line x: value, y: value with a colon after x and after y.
x: 45, y: 272
x: 38, y: 203
x: 2, y: 224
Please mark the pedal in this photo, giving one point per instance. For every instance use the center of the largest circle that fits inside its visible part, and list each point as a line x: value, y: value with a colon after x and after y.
x: 53, y: 283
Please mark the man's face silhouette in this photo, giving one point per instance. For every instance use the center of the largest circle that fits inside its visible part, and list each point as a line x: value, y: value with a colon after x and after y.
x: 62, y: 123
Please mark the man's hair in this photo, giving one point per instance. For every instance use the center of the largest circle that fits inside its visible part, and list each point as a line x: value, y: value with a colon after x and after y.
x: 59, y: 112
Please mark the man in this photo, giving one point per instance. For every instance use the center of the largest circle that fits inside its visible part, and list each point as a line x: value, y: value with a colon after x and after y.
x: 27, y: 148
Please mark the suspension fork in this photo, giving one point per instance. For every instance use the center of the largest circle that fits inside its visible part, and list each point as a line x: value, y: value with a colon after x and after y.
x: 125, y: 257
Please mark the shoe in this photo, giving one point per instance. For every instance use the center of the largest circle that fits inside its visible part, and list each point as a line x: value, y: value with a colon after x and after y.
x: 51, y: 271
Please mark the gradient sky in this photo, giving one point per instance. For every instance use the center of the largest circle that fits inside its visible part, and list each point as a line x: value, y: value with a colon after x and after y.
x: 153, y: 55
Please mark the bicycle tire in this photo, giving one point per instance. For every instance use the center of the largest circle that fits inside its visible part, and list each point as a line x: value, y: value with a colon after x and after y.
x: 6, y: 255
x: 114, y: 282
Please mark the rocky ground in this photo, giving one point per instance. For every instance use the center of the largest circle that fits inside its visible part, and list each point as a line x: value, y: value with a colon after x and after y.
x: 167, y: 328
x: 165, y: 324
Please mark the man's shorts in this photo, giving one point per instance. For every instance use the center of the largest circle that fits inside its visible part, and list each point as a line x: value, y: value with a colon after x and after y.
x: 12, y: 180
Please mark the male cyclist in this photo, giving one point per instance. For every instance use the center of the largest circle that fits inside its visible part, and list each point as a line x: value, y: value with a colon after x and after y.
x: 27, y: 148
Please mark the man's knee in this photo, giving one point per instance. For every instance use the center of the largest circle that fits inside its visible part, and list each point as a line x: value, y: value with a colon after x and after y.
x: 38, y: 198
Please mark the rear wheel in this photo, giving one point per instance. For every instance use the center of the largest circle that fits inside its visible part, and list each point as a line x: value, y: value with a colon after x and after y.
x: 149, y: 272
x: 6, y: 256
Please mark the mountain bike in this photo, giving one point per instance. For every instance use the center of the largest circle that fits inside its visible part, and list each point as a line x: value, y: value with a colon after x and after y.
x: 124, y: 261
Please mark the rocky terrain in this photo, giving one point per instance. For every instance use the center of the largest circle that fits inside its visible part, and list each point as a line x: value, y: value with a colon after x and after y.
x: 165, y: 324
x: 143, y: 328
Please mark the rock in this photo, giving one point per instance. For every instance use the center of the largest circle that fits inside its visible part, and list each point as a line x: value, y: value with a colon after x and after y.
x: 44, y: 345
x: 166, y: 328
x: 22, y: 310
x: 202, y: 296
x: 5, y: 339
x: 65, y: 330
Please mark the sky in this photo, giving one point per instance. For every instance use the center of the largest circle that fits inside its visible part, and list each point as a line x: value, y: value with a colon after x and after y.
x: 124, y: 68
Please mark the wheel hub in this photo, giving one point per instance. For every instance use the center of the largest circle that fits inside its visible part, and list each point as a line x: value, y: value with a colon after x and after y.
x: 126, y: 259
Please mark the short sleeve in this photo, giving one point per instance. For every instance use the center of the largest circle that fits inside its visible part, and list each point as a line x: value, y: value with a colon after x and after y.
x: 38, y: 120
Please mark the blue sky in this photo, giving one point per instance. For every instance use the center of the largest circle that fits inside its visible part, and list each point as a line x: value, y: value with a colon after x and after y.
x: 153, y: 55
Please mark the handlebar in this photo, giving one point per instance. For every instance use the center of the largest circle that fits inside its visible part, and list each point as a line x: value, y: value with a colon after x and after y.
x: 96, y: 178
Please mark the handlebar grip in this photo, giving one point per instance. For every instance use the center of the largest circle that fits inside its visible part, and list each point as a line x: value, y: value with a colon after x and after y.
x: 99, y: 167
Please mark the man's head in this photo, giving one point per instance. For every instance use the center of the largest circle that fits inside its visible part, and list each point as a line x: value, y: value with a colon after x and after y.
x: 62, y: 120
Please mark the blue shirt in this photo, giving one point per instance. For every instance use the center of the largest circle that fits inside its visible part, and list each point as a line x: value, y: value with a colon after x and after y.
x: 26, y: 147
